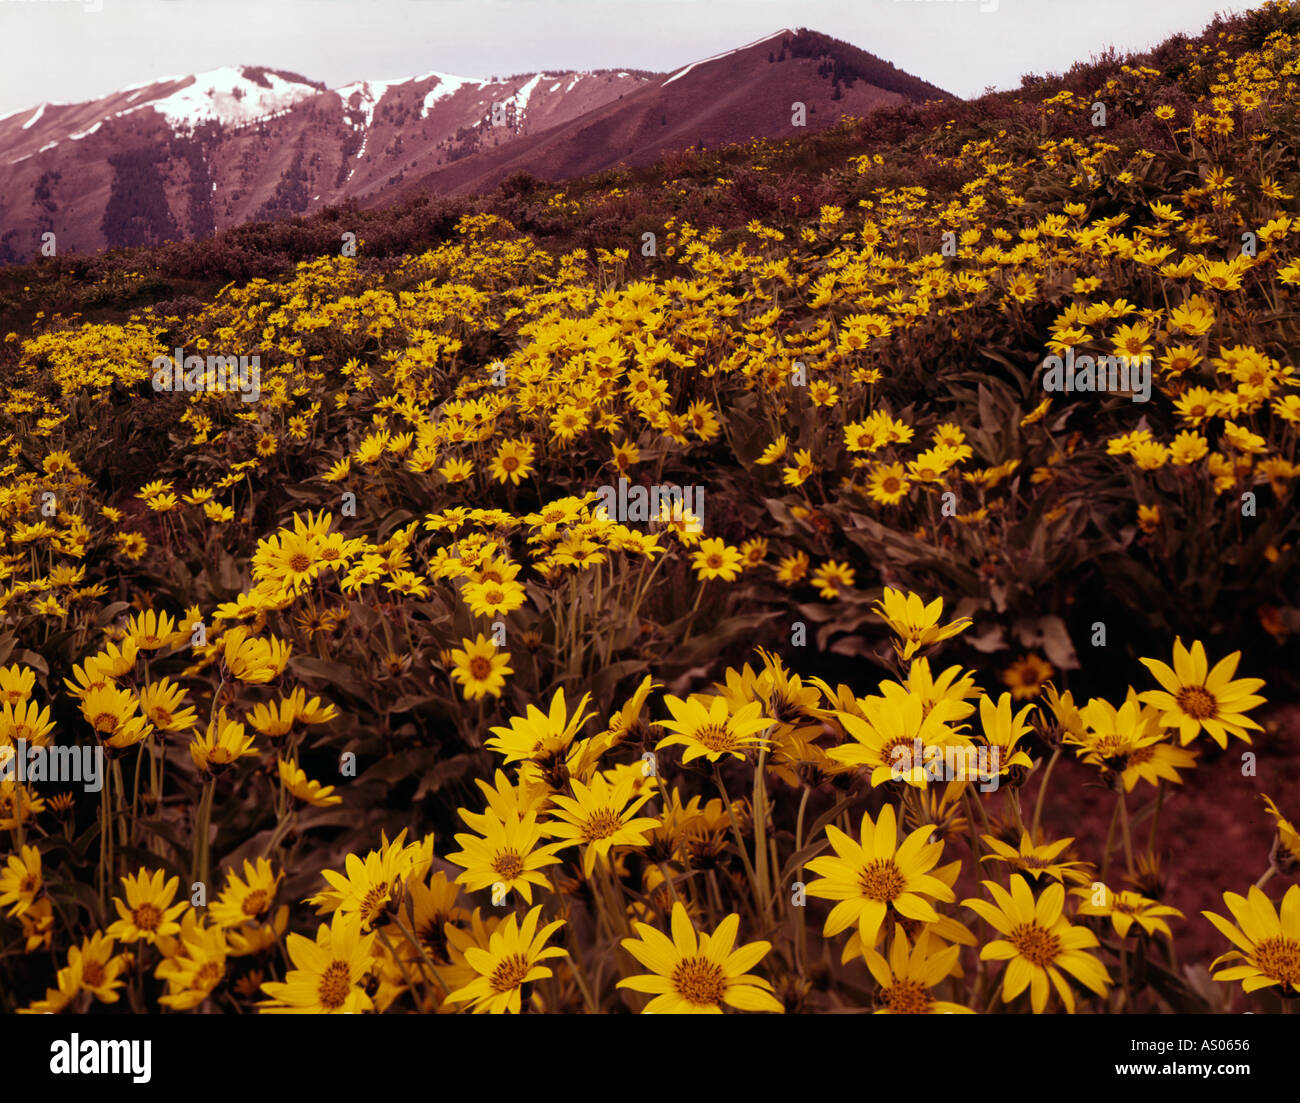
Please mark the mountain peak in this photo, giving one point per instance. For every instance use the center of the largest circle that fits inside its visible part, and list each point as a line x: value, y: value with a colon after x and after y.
x: 231, y: 95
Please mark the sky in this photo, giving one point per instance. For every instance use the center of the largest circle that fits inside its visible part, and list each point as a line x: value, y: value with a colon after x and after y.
x: 67, y: 51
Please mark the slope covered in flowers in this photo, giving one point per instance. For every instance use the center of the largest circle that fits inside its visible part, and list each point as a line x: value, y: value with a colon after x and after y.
x: 398, y: 716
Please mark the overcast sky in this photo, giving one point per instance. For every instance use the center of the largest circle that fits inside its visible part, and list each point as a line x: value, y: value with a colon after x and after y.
x: 68, y: 51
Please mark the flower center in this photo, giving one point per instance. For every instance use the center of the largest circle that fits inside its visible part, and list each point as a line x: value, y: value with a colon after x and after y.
x: 900, y: 752
x: 299, y: 562
x: 699, y: 980
x: 1112, y: 745
x: 880, y: 879
x: 373, y: 903
x: 1036, y: 945
x: 601, y: 825
x: 509, y: 973
x: 508, y: 864
x: 1279, y: 957
x: 147, y: 917
x: 907, y: 997
x: 92, y: 972
x: 716, y: 737
x: 1198, y: 702
x: 255, y: 902
x: 335, y: 984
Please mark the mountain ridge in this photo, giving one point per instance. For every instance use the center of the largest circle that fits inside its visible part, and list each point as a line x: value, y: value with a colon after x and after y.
x: 182, y: 157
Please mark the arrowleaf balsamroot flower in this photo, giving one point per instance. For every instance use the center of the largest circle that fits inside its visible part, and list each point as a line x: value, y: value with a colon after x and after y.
x: 1036, y: 859
x: 539, y: 735
x: 298, y: 785
x: 1287, y: 847
x: 164, y: 703
x: 1038, y: 943
x: 915, y: 623
x: 21, y: 881
x: 151, y: 630
x: 97, y: 966
x: 1003, y: 730
x: 222, y: 743
x: 508, y: 963
x: 601, y: 816
x: 247, y: 899
x: 707, y: 727
x: 481, y: 667
x: 148, y: 912
x: 696, y: 974
x: 1194, y: 698
x: 906, y: 978
x: 111, y: 712
x: 1267, y: 940
x: 1126, y: 908
x: 194, y: 963
x: 717, y: 559
x: 254, y: 661
x: 870, y: 877
x: 893, y: 736
x: 327, y: 973
x: 371, y: 883
x: 508, y: 852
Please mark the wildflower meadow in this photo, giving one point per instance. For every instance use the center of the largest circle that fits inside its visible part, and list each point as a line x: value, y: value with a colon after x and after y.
x: 684, y: 590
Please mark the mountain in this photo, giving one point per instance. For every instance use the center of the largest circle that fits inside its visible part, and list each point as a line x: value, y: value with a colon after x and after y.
x: 746, y: 93
x: 182, y: 157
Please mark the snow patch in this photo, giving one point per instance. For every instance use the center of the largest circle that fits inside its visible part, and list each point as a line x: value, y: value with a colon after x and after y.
x: 86, y: 133
x: 227, y: 96
x: 716, y: 57
x: 524, y: 94
x: 370, y: 93
x: 447, y: 85
x: 35, y: 118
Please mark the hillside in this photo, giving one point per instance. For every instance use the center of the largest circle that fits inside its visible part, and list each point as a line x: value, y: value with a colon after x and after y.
x: 527, y: 586
x: 184, y: 157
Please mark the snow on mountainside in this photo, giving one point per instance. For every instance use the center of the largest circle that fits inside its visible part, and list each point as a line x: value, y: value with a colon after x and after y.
x: 718, y: 57
x: 185, y: 156
x: 229, y: 96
